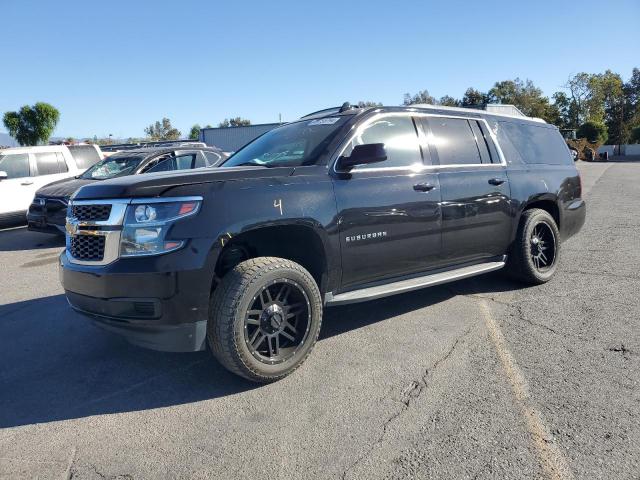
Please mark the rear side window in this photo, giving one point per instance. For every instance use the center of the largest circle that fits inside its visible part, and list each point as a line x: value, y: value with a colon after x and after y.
x: 164, y: 163
x: 15, y: 165
x: 536, y: 144
x: 85, y: 156
x: 185, y: 161
x: 454, y: 141
x: 50, y: 163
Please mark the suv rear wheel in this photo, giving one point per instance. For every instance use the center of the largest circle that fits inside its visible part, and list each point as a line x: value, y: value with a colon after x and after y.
x: 535, y: 252
x: 265, y: 317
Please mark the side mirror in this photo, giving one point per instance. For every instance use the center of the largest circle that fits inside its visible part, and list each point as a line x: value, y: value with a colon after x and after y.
x: 363, y: 154
x: 3, y: 175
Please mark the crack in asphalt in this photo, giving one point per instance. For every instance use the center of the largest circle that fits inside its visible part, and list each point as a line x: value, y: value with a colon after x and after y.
x: 409, y: 394
x: 520, y: 313
x: 71, y: 463
x: 120, y: 476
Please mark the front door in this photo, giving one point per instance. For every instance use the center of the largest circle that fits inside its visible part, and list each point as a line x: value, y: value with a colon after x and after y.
x: 16, y: 191
x: 388, y: 212
x: 476, y: 207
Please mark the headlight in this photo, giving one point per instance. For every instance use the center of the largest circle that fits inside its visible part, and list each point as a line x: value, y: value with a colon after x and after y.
x: 146, y: 226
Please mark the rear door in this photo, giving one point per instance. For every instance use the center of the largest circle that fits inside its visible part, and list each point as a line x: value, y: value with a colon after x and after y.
x: 476, y: 206
x: 49, y: 167
x: 388, y: 212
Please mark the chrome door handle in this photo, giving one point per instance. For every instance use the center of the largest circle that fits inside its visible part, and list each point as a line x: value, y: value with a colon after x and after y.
x: 423, y: 187
x: 497, y: 181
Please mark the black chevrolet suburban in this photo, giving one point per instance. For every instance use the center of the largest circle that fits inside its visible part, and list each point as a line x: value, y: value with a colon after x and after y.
x: 341, y: 206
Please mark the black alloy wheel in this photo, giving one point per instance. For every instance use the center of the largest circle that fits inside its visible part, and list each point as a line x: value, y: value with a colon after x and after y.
x: 533, y: 257
x: 264, y: 318
x: 277, y: 322
x: 543, y: 246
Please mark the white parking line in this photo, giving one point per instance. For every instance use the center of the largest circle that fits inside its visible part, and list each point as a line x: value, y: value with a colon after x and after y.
x: 553, y: 461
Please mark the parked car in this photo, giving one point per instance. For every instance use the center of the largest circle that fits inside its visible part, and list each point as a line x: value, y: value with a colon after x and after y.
x: 335, y: 208
x: 24, y: 170
x: 48, y: 210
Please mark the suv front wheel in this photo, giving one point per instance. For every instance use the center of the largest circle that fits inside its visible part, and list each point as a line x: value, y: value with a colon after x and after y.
x: 536, y: 249
x: 264, y: 319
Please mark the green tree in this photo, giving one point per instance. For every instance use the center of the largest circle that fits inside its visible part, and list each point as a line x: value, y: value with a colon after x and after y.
x: 595, y: 132
x: 32, y: 124
x: 162, y: 130
x: 194, y: 133
x: 635, y: 135
x: 234, y: 122
x: 474, y: 98
x: 632, y: 93
x: 631, y: 107
x: 579, y: 87
x: 421, y: 97
x: 367, y: 103
x: 564, y: 109
x: 449, y: 101
x: 524, y: 95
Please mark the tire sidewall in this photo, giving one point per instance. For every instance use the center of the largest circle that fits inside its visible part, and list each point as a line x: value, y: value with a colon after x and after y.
x: 307, y: 283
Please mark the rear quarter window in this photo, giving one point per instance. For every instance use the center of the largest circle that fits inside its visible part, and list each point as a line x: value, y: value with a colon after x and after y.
x: 533, y: 144
x: 85, y: 156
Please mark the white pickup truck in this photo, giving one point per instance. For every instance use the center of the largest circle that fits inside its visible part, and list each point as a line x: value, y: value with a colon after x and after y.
x: 24, y: 170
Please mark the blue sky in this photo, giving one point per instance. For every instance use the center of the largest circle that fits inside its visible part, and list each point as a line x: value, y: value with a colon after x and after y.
x: 115, y: 67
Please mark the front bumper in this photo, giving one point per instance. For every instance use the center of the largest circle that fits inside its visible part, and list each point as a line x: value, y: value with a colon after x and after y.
x: 159, y: 308
x: 39, y: 224
x: 47, y: 218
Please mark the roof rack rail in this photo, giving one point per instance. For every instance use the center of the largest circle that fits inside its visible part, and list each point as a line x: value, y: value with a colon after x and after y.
x: 498, y: 109
x: 345, y: 107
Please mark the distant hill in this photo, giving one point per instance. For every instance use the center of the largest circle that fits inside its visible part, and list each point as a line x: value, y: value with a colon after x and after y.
x: 7, y: 141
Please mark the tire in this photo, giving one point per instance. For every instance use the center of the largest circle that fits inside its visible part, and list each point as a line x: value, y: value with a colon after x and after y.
x: 537, y: 232
x: 265, y: 297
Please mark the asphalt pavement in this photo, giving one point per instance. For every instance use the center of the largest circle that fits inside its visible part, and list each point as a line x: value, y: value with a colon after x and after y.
x: 481, y: 378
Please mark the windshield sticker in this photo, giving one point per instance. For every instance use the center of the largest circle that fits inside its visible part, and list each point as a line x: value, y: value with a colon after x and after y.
x: 324, y: 121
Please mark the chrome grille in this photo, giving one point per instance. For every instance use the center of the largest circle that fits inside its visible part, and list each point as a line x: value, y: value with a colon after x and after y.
x: 87, y: 247
x: 91, y: 213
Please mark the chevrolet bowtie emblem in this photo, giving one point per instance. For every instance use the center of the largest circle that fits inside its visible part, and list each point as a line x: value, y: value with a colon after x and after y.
x: 71, y: 227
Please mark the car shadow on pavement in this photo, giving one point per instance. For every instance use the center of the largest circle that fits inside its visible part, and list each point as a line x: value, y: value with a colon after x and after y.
x: 338, y: 320
x: 19, y: 239
x: 55, y: 365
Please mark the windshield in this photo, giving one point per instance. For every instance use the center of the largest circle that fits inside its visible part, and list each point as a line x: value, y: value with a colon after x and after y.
x: 291, y: 145
x: 112, y: 167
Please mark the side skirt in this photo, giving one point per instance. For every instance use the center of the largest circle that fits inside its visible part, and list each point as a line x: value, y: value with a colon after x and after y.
x: 414, y: 283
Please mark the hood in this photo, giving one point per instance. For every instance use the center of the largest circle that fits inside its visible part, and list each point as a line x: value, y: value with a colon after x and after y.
x: 155, y: 184
x: 63, y: 188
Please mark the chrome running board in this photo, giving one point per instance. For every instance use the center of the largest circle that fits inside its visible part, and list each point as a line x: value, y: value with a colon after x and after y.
x: 401, y: 286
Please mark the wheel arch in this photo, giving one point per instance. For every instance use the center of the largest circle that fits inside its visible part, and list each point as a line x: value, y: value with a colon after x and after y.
x: 304, y: 243
x: 548, y: 204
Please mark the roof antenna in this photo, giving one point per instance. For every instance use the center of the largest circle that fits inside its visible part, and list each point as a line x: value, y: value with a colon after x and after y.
x: 345, y: 106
